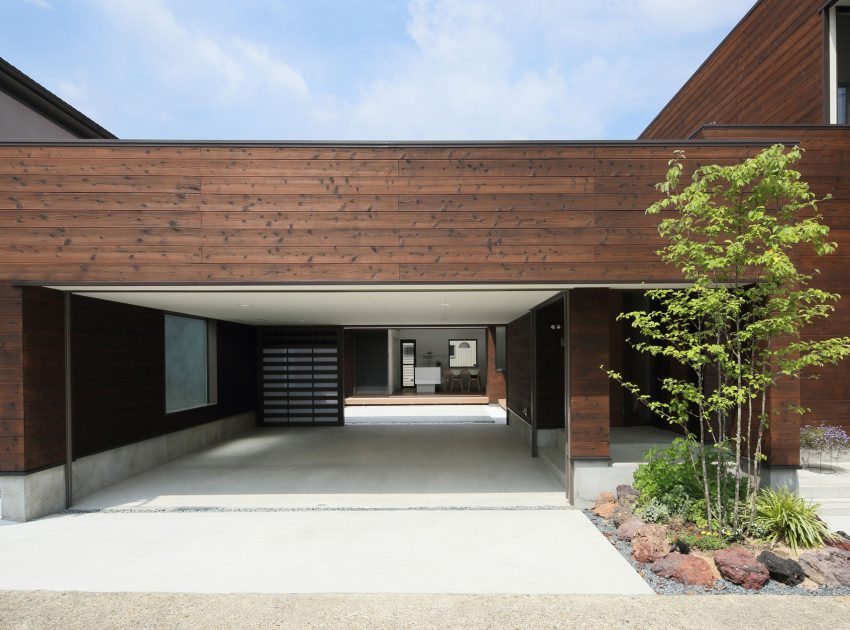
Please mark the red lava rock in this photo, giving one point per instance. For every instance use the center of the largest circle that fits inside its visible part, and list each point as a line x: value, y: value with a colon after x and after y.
x: 621, y: 515
x: 605, y: 510
x: 627, y: 530
x: 627, y: 496
x: 839, y: 543
x: 829, y: 566
x: 739, y: 566
x: 605, y: 497
x: 689, y: 570
x: 649, y: 543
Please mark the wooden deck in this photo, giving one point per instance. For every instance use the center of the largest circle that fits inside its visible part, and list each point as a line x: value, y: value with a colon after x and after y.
x: 420, y: 399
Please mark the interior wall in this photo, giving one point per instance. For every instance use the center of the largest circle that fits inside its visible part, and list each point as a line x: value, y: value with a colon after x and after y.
x: 118, y: 375
x: 436, y: 341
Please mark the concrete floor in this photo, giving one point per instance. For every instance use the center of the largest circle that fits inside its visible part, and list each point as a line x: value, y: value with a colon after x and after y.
x: 451, y: 508
x: 830, y: 487
x: 346, y: 551
x: 362, y: 466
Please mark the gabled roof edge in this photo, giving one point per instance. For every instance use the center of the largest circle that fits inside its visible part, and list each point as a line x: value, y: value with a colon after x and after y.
x: 36, y: 96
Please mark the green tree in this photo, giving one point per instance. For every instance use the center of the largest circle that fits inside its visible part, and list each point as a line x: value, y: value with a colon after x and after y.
x: 735, y: 233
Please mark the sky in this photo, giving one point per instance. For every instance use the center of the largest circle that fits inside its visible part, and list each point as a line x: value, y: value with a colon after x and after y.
x: 365, y: 69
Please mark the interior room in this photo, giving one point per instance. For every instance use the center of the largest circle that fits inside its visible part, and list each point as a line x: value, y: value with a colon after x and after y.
x: 420, y: 361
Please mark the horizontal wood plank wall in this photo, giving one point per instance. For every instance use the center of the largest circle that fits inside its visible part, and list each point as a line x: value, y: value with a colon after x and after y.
x: 495, y: 385
x: 590, y: 391
x: 769, y: 70
x: 11, y: 379
x: 118, y: 365
x: 44, y: 377
x: 519, y: 366
x: 126, y: 213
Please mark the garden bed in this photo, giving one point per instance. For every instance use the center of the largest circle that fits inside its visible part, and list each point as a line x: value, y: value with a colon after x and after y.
x: 665, y: 586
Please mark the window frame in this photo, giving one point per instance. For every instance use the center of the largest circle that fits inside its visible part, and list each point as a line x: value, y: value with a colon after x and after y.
x: 211, y: 332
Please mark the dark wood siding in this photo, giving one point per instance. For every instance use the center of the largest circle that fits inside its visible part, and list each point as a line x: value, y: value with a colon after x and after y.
x: 590, y: 388
x: 769, y: 70
x: 519, y: 366
x: 11, y: 379
x: 191, y: 214
x: 550, y: 382
x: 524, y: 213
x: 118, y: 364
x: 44, y: 377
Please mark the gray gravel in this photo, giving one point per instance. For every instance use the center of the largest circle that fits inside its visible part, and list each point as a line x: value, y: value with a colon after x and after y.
x: 664, y: 586
x: 154, y: 611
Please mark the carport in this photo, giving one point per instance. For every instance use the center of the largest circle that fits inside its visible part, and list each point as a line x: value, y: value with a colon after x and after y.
x: 261, y: 457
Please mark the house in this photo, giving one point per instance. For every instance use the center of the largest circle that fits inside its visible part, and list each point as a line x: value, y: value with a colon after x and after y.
x: 148, y: 287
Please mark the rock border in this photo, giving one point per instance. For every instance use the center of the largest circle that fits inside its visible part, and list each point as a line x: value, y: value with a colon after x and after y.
x: 665, y: 586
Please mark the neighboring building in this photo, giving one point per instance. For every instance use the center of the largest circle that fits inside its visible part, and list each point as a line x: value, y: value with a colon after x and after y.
x: 288, y: 257
x: 30, y: 112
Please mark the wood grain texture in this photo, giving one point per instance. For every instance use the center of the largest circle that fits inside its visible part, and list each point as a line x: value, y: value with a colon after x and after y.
x: 769, y: 70
x: 274, y: 214
x: 11, y: 379
x: 590, y: 390
x: 118, y: 365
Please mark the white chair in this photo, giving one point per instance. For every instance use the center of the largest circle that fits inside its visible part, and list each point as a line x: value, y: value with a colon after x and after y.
x: 474, y: 375
x: 456, y: 372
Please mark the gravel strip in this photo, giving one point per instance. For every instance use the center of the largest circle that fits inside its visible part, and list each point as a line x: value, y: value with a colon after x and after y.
x: 664, y: 586
x: 170, y: 611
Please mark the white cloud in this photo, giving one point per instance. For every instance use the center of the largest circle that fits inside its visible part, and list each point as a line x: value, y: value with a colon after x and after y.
x: 470, y: 69
x: 191, y: 61
x: 41, y: 4
x: 468, y: 73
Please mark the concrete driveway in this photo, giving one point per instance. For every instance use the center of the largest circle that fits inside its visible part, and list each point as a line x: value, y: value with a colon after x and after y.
x: 358, y: 466
x: 361, y: 509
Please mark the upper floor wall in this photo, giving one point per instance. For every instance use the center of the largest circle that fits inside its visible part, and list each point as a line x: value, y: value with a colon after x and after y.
x: 772, y: 69
x: 136, y: 213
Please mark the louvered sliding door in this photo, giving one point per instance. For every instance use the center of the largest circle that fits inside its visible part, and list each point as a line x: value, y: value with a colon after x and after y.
x: 301, y: 376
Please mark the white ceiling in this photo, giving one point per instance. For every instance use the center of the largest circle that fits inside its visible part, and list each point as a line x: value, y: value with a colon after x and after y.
x: 340, y: 307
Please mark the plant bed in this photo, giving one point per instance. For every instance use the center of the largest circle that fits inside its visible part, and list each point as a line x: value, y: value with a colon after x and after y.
x: 666, y: 586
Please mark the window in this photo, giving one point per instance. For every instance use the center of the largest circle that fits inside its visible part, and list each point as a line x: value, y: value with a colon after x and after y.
x: 839, y: 64
x: 189, y: 363
x: 463, y: 353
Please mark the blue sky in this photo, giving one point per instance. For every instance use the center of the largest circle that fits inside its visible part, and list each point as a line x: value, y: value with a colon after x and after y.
x: 365, y: 69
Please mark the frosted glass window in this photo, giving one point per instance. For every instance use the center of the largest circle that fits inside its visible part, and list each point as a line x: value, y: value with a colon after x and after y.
x: 186, y: 363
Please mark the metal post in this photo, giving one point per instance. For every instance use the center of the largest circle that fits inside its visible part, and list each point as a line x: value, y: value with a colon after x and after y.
x: 69, y: 451
x: 567, y: 423
x: 534, y: 383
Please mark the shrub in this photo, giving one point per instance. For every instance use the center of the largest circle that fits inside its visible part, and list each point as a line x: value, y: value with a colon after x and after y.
x: 671, y: 477
x: 704, y: 540
x: 653, y: 511
x: 782, y: 515
x: 696, y: 514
